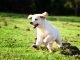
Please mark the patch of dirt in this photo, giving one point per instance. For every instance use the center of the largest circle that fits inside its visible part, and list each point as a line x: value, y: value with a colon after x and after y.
x: 78, y: 34
x: 16, y: 27
x: 0, y: 27
x: 27, y: 29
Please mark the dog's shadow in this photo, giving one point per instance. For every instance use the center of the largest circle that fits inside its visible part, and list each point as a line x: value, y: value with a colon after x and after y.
x: 70, y: 50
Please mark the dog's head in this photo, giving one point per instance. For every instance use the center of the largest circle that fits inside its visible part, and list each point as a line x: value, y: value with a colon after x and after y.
x: 37, y: 19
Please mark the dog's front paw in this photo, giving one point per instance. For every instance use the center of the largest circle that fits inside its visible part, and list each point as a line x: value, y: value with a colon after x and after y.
x: 36, y: 47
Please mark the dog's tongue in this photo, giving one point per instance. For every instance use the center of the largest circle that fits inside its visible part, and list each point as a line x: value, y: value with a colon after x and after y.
x: 34, y: 26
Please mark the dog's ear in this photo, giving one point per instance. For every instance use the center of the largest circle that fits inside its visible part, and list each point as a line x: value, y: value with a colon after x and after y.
x: 45, y: 14
x: 30, y: 17
x: 42, y: 17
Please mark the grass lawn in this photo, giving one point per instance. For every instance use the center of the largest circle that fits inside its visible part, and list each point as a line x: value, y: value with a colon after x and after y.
x: 17, y: 37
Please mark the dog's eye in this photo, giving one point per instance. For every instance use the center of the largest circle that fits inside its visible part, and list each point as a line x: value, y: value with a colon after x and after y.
x: 36, y: 19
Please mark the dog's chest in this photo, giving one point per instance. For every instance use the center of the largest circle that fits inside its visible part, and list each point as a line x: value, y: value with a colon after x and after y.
x: 42, y: 32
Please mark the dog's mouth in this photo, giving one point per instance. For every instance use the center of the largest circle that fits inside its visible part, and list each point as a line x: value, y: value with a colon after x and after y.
x: 34, y: 26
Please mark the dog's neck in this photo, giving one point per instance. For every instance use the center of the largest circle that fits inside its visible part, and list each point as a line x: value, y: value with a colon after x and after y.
x: 43, y: 25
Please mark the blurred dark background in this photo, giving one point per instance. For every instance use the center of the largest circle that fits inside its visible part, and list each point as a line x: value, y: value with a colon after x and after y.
x: 53, y: 7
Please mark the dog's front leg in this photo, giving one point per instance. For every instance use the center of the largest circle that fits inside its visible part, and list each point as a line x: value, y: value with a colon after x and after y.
x: 38, y: 42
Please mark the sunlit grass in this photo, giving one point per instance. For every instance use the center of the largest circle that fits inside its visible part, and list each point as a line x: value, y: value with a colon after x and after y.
x: 17, y: 37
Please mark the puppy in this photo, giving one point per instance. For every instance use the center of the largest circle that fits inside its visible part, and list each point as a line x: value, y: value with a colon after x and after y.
x: 46, y: 33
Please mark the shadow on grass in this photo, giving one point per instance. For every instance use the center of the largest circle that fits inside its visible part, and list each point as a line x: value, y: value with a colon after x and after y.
x: 70, y: 50
x: 13, y: 15
x: 64, y: 18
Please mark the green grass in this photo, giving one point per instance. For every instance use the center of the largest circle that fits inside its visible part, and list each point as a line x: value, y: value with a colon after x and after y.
x: 16, y: 43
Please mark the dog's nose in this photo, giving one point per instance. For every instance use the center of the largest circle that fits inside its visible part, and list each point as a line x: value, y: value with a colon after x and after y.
x: 31, y: 22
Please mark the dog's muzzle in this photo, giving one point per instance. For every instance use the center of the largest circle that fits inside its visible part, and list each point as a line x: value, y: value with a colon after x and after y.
x: 34, y: 25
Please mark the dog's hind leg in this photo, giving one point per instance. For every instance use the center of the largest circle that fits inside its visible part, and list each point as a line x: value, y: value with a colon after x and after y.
x: 59, y: 42
x: 48, y: 43
x: 50, y: 47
